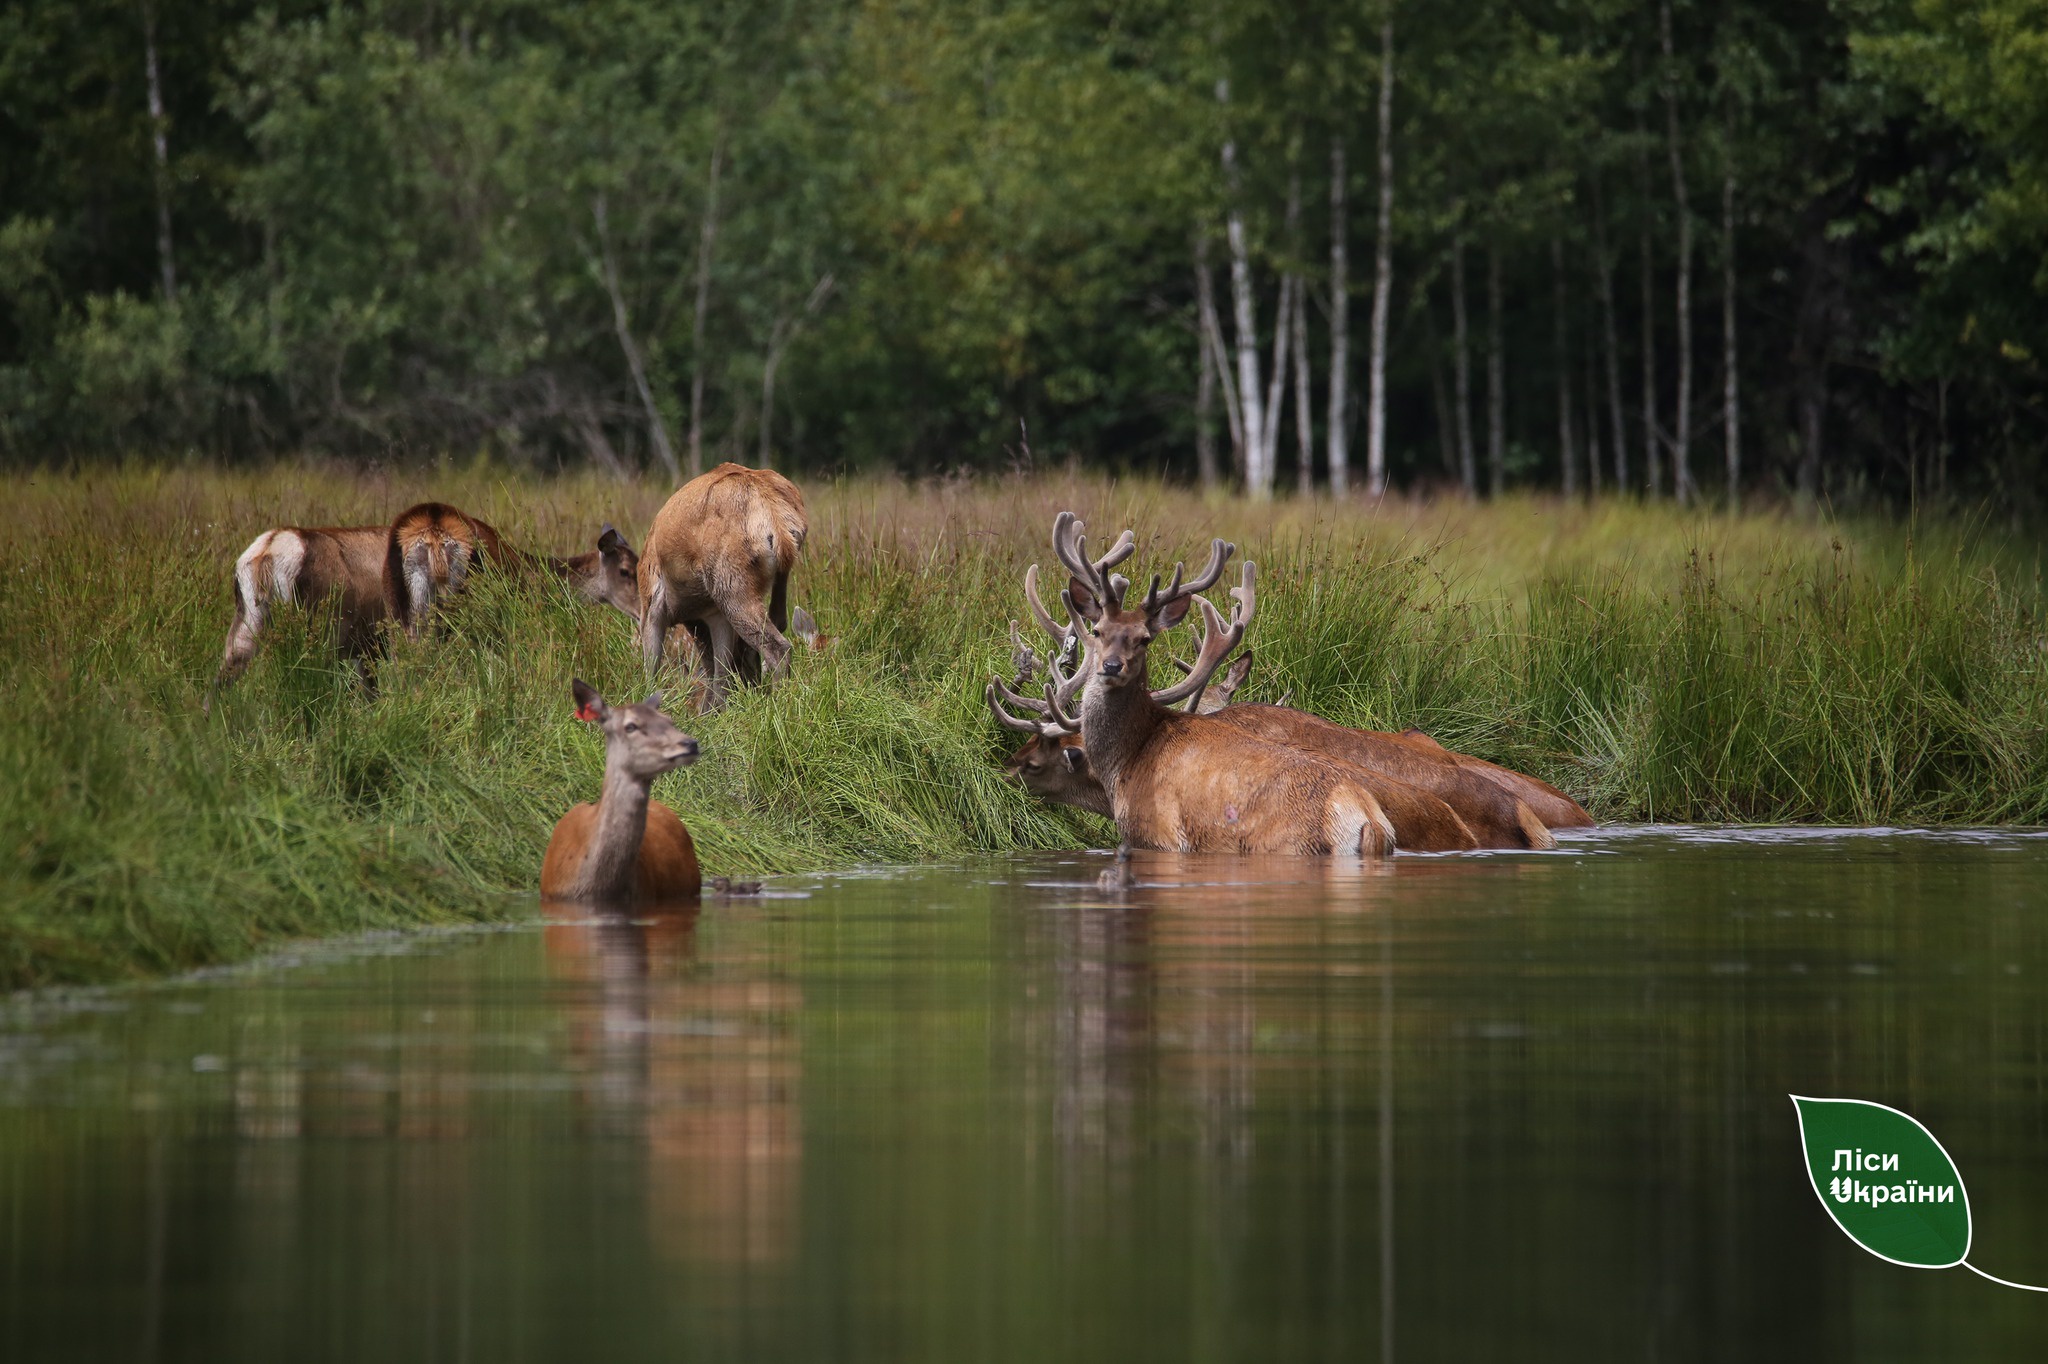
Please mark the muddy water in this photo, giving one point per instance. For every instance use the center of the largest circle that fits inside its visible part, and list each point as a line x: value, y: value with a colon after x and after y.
x: 1515, y: 1107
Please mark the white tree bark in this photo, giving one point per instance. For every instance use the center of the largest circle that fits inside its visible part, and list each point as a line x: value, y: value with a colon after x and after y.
x: 1205, y: 363
x: 159, y: 133
x: 1461, y: 364
x: 1382, y: 273
x: 1212, y: 341
x: 1681, y: 434
x: 1340, y: 328
x: 1496, y: 381
x: 1258, y: 482
x: 707, y: 240
x: 1304, y: 419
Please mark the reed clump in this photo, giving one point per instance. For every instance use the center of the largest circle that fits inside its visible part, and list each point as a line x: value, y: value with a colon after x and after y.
x: 1658, y: 665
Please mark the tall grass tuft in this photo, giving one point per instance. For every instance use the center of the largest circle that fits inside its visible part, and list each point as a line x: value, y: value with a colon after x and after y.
x: 1658, y: 665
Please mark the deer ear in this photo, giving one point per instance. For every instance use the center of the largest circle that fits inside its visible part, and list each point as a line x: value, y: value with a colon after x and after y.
x: 589, y: 705
x: 1240, y: 668
x: 1076, y: 759
x: 613, y: 546
x: 653, y: 699
x: 1172, y: 613
x: 1080, y: 601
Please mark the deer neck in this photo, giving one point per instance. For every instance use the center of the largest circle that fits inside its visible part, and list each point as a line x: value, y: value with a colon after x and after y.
x: 1116, y: 724
x: 614, y: 856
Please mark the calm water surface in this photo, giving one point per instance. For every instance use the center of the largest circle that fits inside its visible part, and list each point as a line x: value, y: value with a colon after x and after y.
x: 1458, y: 1108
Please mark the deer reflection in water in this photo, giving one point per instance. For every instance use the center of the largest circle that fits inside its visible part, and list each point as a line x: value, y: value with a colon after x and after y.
x: 697, y: 1055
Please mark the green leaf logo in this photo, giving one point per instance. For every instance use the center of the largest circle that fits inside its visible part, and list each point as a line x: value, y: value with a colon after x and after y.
x: 1886, y: 1181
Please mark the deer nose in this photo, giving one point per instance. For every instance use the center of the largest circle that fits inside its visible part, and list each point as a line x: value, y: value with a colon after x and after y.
x: 687, y: 748
x: 1112, y: 666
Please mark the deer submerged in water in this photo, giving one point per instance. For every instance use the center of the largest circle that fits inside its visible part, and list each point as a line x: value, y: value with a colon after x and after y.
x: 628, y: 848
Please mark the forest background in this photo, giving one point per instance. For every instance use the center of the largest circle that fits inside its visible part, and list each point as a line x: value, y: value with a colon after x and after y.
x: 1690, y: 248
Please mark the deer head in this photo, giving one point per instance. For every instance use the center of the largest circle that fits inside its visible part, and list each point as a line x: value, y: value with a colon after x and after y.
x: 609, y: 577
x: 1117, y: 636
x: 639, y: 741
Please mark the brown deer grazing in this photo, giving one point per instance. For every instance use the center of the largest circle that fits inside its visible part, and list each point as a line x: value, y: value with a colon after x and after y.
x: 1188, y: 782
x: 432, y: 548
x: 628, y: 848
x: 306, y: 565
x: 718, y: 560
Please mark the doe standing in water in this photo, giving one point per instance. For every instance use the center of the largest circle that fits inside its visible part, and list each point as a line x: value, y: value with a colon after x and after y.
x: 628, y: 848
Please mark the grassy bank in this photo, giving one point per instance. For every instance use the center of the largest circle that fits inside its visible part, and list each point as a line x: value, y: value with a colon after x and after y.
x: 1657, y: 665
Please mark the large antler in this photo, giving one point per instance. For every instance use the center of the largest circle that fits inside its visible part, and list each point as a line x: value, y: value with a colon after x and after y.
x: 1072, y: 547
x: 1038, y: 611
x: 1218, y: 640
x: 1219, y: 552
x: 1063, y: 684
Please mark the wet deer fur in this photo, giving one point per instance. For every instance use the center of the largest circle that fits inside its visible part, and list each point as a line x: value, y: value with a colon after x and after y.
x: 627, y: 848
x: 718, y: 560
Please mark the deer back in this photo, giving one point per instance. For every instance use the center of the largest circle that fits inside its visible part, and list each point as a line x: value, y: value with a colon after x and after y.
x: 732, y: 529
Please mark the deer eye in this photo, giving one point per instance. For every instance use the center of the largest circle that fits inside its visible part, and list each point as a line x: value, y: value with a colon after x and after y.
x: 632, y: 728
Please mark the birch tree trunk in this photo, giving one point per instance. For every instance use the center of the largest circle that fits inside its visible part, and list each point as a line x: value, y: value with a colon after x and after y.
x: 1461, y: 364
x: 1731, y: 406
x: 1283, y: 336
x: 1567, y: 451
x: 1681, y: 434
x: 1304, y: 420
x: 1340, y: 328
x: 1653, y: 450
x: 1205, y: 380
x: 1382, y: 273
x: 1496, y: 380
x: 159, y: 133
x: 1603, y: 277
x: 1258, y: 483
x: 622, y: 327
x: 1212, y: 340
x: 707, y: 240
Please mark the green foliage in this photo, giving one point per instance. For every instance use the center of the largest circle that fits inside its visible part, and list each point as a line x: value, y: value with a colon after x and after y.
x: 1657, y: 665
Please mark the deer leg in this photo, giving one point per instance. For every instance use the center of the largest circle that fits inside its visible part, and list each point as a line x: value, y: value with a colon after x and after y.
x: 724, y: 647
x: 760, y: 635
x: 235, y: 657
x: 654, y: 626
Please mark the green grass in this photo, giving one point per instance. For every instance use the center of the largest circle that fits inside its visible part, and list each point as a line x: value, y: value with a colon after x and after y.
x: 1659, y: 665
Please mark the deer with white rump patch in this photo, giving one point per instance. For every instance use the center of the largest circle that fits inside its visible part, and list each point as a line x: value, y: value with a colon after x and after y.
x: 1188, y: 782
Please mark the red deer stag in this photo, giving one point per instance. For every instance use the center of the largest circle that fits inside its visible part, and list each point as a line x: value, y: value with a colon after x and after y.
x: 1053, y: 765
x: 628, y: 848
x: 1186, y: 782
x: 432, y: 549
x: 1501, y: 807
x: 718, y: 560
